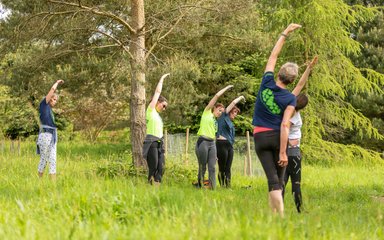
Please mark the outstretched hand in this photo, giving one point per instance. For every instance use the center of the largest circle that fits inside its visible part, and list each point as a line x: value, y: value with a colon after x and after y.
x: 228, y: 87
x: 292, y: 27
x: 164, y: 76
x: 313, y: 62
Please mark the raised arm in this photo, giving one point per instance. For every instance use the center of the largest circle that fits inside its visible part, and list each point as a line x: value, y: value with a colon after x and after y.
x: 159, y: 87
x: 52, y: 90
x: 211, y: 103
x: 278, y: 46
x: 233, y: 103
x: 284, y: 132
x: 304, y: 77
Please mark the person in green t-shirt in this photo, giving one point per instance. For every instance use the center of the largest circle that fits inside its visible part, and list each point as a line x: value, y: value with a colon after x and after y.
x: 205, y: 146
x: 153, y: 150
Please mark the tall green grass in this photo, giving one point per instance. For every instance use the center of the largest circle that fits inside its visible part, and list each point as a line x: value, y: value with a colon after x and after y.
x: 342, y: 202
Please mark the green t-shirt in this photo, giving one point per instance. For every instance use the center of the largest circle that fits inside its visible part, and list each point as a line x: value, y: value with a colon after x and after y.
x: 154, y: 123
x: 208, y: 125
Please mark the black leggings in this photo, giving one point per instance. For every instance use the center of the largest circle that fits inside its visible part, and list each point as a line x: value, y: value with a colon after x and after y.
x: 225, y: 158
x: 267, y: 146
x: 294, y: 171
x: 155, y: 161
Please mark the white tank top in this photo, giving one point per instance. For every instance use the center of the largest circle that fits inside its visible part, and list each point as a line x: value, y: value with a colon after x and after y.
x: 296, y: 123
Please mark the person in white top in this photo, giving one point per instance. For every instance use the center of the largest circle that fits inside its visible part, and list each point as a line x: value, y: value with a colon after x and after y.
x: 293, y: 169
x: 293, y: 152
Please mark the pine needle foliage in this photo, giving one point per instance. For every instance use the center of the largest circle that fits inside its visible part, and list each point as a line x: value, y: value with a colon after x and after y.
x: 326, y: 33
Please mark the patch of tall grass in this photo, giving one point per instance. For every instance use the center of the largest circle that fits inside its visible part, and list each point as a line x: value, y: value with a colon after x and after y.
x: 340, y: 202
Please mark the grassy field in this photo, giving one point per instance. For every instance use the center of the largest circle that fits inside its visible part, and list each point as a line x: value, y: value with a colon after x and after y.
x: 342, y: 202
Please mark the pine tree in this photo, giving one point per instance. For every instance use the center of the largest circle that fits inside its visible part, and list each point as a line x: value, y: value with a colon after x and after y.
x: 326, y: 32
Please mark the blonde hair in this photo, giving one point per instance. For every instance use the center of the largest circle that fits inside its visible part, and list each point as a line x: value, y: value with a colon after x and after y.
x: 288, y: 72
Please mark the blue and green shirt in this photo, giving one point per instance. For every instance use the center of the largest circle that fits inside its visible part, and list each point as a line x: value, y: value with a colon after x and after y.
x: 271, y: 103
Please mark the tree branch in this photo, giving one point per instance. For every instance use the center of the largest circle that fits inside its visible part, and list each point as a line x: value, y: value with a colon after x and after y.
x: 97, y: 12
x: 164, y: 35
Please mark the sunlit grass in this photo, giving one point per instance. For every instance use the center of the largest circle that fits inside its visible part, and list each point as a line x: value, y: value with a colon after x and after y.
x: 343, y: 202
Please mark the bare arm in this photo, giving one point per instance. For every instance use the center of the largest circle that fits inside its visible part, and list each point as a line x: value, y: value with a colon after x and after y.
x: 284, y: 132
x: 52, y: 90
x: 211, y: 103
x: 233, y: 103
x: 159, y: 87
x: 304, y: 78
x: 278, y: 46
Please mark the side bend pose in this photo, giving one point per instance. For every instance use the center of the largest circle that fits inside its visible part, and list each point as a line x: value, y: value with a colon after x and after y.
x: 47, y: 139
x: 153, y: 150
x: 274, y: 107
x: 294, y: 154
x: 205, y: 146
x: 225, y: 140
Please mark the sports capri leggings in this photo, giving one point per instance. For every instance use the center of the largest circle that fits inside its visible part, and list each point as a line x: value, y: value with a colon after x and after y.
x: 294, y: 171
x: 267, y: 146
x: 155, y: 161
x: 206, y: 154
x: 225, y: 158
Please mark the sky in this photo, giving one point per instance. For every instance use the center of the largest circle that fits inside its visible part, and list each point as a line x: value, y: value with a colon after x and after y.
x: 3, y: 12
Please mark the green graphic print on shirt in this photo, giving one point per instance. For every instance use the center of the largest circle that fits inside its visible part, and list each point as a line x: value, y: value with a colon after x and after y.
x: 53, y: 117
x: 269, y: 100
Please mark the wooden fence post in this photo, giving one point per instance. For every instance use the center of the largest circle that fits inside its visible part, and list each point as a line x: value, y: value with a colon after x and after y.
x: 249, y: 155
x: 18, y: 146
x: 12, y: 147
x: 186, y: 147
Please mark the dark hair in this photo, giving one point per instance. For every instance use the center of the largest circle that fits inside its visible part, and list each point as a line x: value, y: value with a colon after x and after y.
x: 162, y: 99
x: 301, y: 101
x: 218, y: 105
x: 235, y: 109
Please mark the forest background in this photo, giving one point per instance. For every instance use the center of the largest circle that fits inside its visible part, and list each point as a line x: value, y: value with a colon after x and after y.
x: 205, y: 45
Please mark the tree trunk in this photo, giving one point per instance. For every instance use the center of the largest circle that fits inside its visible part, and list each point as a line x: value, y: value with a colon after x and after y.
x: 137, y: 106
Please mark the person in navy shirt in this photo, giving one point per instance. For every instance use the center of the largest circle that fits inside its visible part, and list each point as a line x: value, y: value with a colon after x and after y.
x: 274, y: 107
x: 225, y: 138
x: 47, y: 139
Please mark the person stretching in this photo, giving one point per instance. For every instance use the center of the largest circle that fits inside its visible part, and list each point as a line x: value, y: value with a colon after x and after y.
x: 294, y: 154
x: 153, y: 150
x: 47, y: 139
x: 225, y: 140
x: 205, y: 147
x: 274, y: 107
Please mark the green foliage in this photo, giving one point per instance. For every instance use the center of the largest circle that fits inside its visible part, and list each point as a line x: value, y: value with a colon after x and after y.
x: 370, y: 36
x: 326, y: 33
x: 119, y: 168
x: 17, y: 117
x: 205, y: 45
x: 331, y: 154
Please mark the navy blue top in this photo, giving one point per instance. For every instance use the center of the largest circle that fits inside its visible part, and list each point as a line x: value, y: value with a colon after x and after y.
x: 46, y: 114
x: 271, y: 103
x: 226, y: 128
